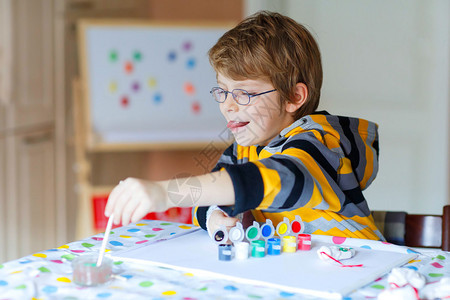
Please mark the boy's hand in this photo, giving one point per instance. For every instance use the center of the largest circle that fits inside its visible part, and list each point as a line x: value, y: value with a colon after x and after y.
x: 133, y: 198
x: 219, y: 219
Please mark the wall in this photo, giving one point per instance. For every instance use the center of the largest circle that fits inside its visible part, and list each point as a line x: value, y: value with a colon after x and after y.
x: 388, y: 62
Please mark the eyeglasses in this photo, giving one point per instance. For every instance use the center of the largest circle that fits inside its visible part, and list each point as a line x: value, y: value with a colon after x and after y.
x: 242, y: 97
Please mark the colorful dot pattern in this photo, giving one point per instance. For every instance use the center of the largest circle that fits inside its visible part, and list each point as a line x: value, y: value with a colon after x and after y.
x: 48, y: 274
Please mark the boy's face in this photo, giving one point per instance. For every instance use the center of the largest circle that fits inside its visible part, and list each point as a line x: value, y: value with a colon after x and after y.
x: 258, y: 122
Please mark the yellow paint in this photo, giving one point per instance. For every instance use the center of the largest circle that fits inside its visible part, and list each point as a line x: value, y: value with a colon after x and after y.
x: 169, y: 293
x: 188, y: 274
x: 113, y: 86
x: 141, y: 224
x: 42, y: 255
x: 64, y: 247
x: 125, y: 236
x: 185, y: 227
x: 283, y: 228
x: 64, y: 279
x: 16, y: 272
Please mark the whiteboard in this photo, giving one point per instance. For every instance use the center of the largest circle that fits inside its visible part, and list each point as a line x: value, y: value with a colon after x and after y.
x: 149, y: 83
x: 300, y: 272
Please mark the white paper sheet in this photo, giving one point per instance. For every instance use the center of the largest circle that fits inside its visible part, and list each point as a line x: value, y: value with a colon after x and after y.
x: 300, y: 272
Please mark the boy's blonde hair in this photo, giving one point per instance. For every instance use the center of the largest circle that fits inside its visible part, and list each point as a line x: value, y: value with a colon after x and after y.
x: 275, y: 47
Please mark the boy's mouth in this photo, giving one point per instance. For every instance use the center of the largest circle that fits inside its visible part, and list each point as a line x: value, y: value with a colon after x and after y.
x: 235, y: 124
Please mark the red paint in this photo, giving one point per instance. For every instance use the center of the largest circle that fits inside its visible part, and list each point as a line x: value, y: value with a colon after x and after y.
x: 304, y: 242
x: 296, y: 227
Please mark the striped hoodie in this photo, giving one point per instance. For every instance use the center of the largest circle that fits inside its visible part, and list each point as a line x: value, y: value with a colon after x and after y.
x: 316, y: 168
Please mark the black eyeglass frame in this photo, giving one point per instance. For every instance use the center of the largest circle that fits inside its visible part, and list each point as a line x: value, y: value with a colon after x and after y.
x: 214, y: 89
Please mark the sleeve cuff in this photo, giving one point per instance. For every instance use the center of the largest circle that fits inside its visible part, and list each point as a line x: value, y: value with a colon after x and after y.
x: 248, y: 187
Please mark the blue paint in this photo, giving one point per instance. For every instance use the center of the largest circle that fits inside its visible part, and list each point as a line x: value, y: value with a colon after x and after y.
x: 172, y: 56
x: 133, y: 230
x: 127, y: 276
x: 190, y: 64
x: 286, y: 294
x: 412, y: 267
x: 366, y: 247
x: 116, y: 243
x: 157, y: 98
x: 104, y: 295
x: 266, y: 231
x: 50, y: 289
x: 231, y: 288
x: 3, y: 283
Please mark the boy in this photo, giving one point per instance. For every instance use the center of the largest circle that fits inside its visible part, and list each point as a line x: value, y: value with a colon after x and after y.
x: 287, y: 159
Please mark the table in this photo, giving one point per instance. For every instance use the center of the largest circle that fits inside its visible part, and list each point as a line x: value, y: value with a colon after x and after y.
x: 48, y: 274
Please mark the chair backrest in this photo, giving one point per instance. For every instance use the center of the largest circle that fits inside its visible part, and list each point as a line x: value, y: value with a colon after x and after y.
x: 414, y: 230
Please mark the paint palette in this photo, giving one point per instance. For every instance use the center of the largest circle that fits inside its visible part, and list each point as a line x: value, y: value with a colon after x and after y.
x: 290, y: 239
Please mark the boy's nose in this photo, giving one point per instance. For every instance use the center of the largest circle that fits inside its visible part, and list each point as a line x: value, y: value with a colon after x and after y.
x: 229, y: 104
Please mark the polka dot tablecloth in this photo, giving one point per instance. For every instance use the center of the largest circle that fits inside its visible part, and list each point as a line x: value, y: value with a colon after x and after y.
x: 48, y: 274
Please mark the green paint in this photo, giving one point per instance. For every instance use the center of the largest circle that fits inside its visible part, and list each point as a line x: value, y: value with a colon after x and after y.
x: 254, y: 296
x: 435, y: 274
x: 68, y: 256
x: 118, y: 263
x: 87, y: 245
x: 146, y: 283
x: 440, y: 257
x: 44, y: 270
x: 21, y: 287
x: 165, y: 224
x: 150, y: 235
x: 378, y: 286
x: 1, y: 266
x: 90, y: 264
x: 203, y: 289
x: 252, y: 233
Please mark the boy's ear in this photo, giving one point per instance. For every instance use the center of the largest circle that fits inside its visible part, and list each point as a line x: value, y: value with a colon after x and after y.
x: 300, y: 96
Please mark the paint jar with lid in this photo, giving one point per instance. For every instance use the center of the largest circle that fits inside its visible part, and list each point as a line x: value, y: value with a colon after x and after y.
x: 241, y: 250
x: 236, y: 233
x: 258, y: 248
x: 304, y: 242
x: 289, y: 244
x: 274, y: 246
x: 225, y: 252
x: 220, y: 236
x: 253, y: 232
x: 267, y: 230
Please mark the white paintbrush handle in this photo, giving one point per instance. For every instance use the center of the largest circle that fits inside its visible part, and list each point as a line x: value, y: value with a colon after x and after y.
x: 105, y: 240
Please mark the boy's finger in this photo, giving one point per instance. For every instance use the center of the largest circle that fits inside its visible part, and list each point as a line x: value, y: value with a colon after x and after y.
x: 112, y: 198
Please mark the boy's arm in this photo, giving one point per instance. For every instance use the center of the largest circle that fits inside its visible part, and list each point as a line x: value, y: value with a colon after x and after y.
x: 134, y: 198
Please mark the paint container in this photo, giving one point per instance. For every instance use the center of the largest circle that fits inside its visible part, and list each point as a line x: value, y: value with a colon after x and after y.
x: 236, y: 233
x: 274, y: 246
x: 284, y: 227
x: 253, y: 232
x: 297, y: 226
x: 258, y: 248
x: 225, y: 252
x: 267, y: 230
x: 241, y: 250
x: 289, y: 244
x: 304, y: 242
x: 220, y: 236
x: 86, y: 272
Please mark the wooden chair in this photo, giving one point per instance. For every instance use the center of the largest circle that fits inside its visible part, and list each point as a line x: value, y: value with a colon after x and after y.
x: 414, y: 230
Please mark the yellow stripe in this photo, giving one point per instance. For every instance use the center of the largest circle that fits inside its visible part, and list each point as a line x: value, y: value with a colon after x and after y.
x: 272, y: 185
x: 194, y: 217
x: 317, y: 174
x: 368, y: 170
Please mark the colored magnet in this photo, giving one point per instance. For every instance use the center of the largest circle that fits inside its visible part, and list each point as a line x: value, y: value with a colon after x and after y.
x: 220, y: 236
x: 267, y: 230
x: 284, y: 228
x: 236, y: 233
x: 253, y: 232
